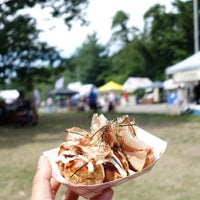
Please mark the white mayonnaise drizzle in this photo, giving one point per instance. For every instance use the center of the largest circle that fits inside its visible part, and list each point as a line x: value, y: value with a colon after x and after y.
x: 90, y: 167
x: 65, y: 160
x: 117, y: 163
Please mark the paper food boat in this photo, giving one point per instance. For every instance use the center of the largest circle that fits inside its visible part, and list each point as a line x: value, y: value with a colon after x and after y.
x: 89, y: 191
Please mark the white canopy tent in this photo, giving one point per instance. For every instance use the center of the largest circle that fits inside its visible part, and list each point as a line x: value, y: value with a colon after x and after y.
x: 75, y: 86
x: 171, y: 85
x: 9, y: 95
x: 134, y: 83
x: 186, y: 70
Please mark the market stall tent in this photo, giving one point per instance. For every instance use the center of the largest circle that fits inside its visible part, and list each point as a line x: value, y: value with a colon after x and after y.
x: 186, y: 70
x: 169, y: 84
x: 75, y: 86
x: 62, y: 92
x: 9, y: 95
x: 111, y: 85
x: 86, y: 89
x: 134, y: 83
x: 156, y: 84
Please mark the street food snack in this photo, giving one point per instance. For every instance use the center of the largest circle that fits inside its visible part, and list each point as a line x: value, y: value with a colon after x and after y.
x: 111, y: 153
x: 110, y: 150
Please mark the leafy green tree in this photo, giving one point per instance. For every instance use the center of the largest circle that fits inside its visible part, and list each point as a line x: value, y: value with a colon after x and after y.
x: 91, y: 61
x: 20, y: 50
x: 166, y: 39
x: 119, y: 25
x: 129, y: 61
x: 169, y: 35
x: 121, y: 32
x: 22, y: 56
x: 68, y: 10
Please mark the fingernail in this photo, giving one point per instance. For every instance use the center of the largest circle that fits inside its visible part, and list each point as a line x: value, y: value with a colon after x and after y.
x: 40, y: 162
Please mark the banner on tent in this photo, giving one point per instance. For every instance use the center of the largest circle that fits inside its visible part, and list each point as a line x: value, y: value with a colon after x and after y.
x: 193, y: 75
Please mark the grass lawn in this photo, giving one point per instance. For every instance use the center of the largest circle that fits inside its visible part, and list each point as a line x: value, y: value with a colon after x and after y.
x: 174, y: 177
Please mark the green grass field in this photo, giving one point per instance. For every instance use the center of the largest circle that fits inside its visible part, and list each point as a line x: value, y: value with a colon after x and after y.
x: 174, y: 177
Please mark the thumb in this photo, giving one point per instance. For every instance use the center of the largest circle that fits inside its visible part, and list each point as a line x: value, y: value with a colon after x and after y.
x: 41, y: 188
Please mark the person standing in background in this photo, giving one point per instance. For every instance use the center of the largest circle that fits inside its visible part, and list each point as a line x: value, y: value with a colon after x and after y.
x: 93, y: 100
x: 111, y: 101
x: 197, y: 93
x: 180, y: 96
x: 35, y: 104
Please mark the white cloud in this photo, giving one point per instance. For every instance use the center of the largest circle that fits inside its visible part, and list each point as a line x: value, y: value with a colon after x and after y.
x: 100, y: 14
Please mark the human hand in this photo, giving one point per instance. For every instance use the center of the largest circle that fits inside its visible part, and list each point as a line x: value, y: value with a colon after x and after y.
x: 45, y: 188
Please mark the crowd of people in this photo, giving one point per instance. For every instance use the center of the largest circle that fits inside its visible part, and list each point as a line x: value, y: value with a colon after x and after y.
x: 197, y: 93
x: 93, y: 101
x: 25, y: 108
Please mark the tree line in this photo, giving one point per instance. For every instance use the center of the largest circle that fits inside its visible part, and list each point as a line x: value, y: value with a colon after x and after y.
x: 166, y: 38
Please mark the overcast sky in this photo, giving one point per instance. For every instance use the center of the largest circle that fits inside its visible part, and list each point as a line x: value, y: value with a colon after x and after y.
x: 100, y: 14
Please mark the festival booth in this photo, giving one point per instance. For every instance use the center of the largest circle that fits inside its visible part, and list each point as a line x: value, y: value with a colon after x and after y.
x: 137, y: 85
x: 155, y: 91
x: 75, y: 86
x: 169, y: 84
x: 80, y: 100
x: 187, y: 72
x: 81, y: 89
x: 110, y: 92
x: 170, y: 88
x: 59, y: 97
x: 62, y: 92
x: 134, y: 83
x: 9, y: 95
x: 84, y: 91
x: 12, y: 109
x: 110, y: 86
